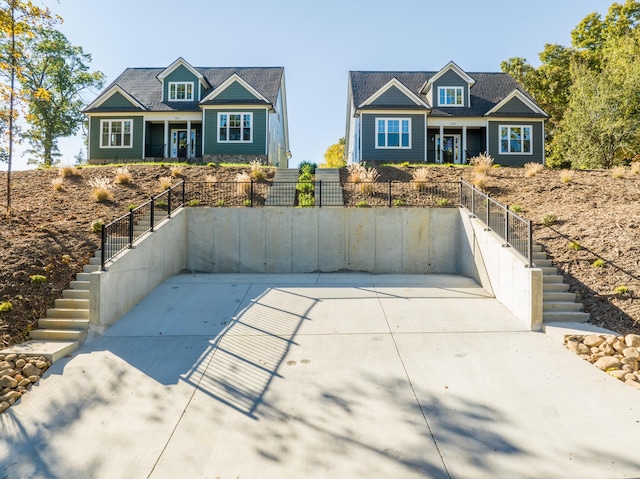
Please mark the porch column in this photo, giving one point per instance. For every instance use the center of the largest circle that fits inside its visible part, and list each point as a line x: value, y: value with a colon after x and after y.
x: 166, y: 138
x: 188, y: 138
x: 464, y: 144
x: 441, y: 143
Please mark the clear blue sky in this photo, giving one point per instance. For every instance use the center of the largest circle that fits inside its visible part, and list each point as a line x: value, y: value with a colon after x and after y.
x: 316, y: 42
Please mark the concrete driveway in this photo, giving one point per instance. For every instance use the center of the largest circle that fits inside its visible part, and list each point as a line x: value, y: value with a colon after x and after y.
x: 322, y: 376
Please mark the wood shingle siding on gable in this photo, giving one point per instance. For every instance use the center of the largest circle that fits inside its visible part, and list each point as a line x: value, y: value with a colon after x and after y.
x: 371, y: 153
x: 133, y: 153
x: 256, y: 147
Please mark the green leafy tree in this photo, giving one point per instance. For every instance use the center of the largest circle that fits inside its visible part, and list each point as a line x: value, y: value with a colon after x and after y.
x: 55, y: 74
x: 18, y: 20
x: 334, y: 156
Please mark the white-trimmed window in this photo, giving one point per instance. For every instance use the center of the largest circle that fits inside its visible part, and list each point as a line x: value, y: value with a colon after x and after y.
x: 180, y: 91
x: 393, y: 132
x: 515, y: 139
x: 450, y: 96
x: 116, y: 133
x: 235, y: 127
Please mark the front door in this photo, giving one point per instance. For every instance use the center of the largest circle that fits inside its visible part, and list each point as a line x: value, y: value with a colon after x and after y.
x: 182, y: 144
x: 450, y: 148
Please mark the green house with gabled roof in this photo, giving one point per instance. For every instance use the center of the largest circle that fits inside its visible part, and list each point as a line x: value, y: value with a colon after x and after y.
x: 182, y: 112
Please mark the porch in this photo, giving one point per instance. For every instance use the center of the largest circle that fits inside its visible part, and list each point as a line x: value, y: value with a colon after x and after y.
x: 174, y: 140
x: 455, y: 144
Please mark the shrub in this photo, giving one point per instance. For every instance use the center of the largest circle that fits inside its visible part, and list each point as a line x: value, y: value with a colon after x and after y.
x: 243, y: 187
x: 165, y: 182
x: 6, y: 306
x: 621, y: 290
x: 57, y: 184
x: 549, y: 219
x: 101, y: 189
x: 123, y: 176
x: 574, y: 246
x: 131, y: 207
x: 176, y: 170
x: 193, y: 202
x: 68, y: 171
x: 362, y: 204
x: 482, y: 163
x: 96, y: 226
x: 441, y: 202
x: 306, y: 200
x: 420, y: 177
x: 307, y: 167
x: 599, y: 263
x: 212, y: 164
x: 220, y: 203
x: 566, y: 176
x: 247, y: 203
x: 257, y: 171
x: 305, y: 187
x: 37, y: 279
x: 532, y: 169
x: 618, y: 172
x: 399, y: 203
x: 162, y: 204
x: 516, y: 208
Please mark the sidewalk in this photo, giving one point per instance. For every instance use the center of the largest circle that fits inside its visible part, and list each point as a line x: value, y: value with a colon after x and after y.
x: 322, y: 376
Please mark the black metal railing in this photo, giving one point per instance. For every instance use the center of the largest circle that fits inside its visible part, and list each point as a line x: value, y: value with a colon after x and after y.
x: 515, y: 230
x: 120, y: 234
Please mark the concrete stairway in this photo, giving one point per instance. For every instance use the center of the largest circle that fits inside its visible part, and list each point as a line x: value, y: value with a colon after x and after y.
x: 283, y: 189
x: 559, y: 304
x: 331, y: 194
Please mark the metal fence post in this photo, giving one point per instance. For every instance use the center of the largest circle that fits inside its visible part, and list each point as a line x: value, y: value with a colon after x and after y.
x: 130, y: 229
x: 389, y: 195
x: 169, y: 203
x: 488, y: 211
x: 530, y: 246
x: 473, y: 200
x: 103, y: 248
x: 184, y: 183
x: 152, y: 213
x: 319, y: 193
x: 506, y: 223
x: 251, y: 194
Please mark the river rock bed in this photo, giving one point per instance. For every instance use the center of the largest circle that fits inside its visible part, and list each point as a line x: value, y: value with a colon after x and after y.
x: 17, y: 374
x: 616, y: 355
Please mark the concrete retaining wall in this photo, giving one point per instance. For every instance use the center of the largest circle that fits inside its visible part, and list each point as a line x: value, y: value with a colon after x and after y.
x: 292, y: 240
x: 136, y: 272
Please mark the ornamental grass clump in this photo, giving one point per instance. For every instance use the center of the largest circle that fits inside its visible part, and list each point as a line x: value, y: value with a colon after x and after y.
x: 101, y: 189
x: 618, y: 172
x: 165, y: 182
x: 57, y: 184
x: 420, y: 177
x: 369, y: 177
x: 257, y: 171
x: 635, y: 168
x: 67, y: 171
x: 176, y: 170
x: 122, y: 176
x: 243, y: 187
x: 566, y: 176
x: 211, y: 179
x: 481, y: 164
x: 481, y: 181
x: 532, y: 169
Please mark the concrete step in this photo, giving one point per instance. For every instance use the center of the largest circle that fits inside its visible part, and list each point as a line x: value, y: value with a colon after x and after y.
x: 546, y: 270
x: 95, y: 260
x: 79, y: 285
x: 72, y: 303
x: 552, y: 278
x: 75, y: 294
x: 60, y: 323
x: 67, y: 313
x: 537, y: 248
x: 90, y: 268
x: 83, y: 277
x: 563, y: 296
x: 539, y: 255
x: 542, y: 263
x: 51, y: 350
x: 557, y: 287
x: 57, y: 334
x: 561, y: 306
x: 565, y: 317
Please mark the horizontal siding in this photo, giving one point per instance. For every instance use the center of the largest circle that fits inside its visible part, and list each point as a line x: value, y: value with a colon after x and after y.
x: 537, y: 139
x: 393, y: 96
x: 515, y: 106
x: 134, y: 153
x: 210, y: 135
x: 449, y: 79
x: 117, y: 100
x: 369, y: 151
x: 180, y: 74
x: 235, y: 92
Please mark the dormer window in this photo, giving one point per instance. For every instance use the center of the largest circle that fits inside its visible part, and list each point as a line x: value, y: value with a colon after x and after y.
x: 180, y: 91
x: 450, y: 96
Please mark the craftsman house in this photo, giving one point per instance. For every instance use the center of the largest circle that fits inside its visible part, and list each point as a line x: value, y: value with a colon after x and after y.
x: 446, y: 116
x: 184, y: 112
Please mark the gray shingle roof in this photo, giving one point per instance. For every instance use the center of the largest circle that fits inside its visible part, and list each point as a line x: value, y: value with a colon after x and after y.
x: 143, y: 85
x: 487, y: 92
